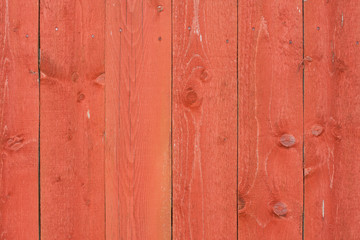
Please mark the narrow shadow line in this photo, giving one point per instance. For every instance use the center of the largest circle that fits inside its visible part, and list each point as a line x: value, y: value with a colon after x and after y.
x: 171, y: 117
x: 237, y: 119
x: 39, y: 79
x: 303, y: 123
x: 105, y: 140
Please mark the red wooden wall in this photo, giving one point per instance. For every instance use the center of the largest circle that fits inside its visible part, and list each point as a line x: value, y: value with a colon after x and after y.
x: 181, y: 119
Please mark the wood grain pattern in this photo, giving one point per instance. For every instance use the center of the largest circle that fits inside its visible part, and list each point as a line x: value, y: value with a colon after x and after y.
x: 19, y: 120
x: 332, y: 118
x: 138, y: 119
x: 270, y: 176
x: 204, y: 119
x: 216, y: 120
x: 72, y: 119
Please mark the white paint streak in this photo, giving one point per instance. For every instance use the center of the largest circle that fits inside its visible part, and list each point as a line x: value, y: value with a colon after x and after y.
x: 323, y: 209
x: 195, y: 24
x: 260, y: 223
x: 88, y: 114
x: 263, y: 28
x: 4, y: 98
x: 263, y: 225
x: 266, y: 162
x: 198, y: 162
x: 4, y: 56
x: 331, y: 171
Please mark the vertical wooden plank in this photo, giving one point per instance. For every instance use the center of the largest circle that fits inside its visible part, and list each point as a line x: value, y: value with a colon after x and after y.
x: 138, y: 126
x: 204, y: 119
x: 72, y: 119
x: 332, y: 119
x: 270, y: 171
x: 19, y: 119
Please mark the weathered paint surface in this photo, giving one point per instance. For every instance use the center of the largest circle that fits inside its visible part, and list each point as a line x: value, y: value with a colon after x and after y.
x: 138, y: 120
x: 19, y: 120
x: 182, y: 119
x: 204, y: 119
x: 332, y: 119
x: 270, y: 181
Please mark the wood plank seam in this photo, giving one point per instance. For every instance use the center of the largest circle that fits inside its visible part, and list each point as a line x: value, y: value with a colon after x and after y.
x: 39, y: 133
x: 237, y: 117
x: 303, y: 120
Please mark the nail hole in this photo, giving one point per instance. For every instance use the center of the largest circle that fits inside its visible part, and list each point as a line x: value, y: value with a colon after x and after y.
x: 160, y: 8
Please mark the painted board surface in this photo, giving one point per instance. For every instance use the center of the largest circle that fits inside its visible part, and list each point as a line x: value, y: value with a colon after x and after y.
x: 138, y: 120
x: 332, y: 118
x: 19, y: 120
x: 72, y: 121
x: 204, y: 119
x: 270, y: 175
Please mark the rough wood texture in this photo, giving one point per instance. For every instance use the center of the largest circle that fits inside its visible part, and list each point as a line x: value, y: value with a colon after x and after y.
x: 270, y: 175
x: 204, y: 119
x: 332, y: 118
x: 204, y: 128
x: 19, y: 120
x: 138, y: 120
x: 72, y: 119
